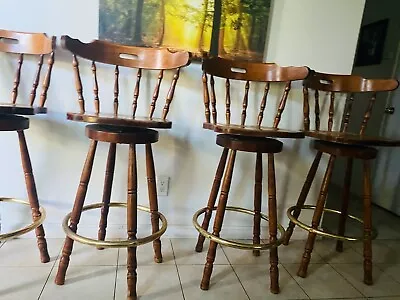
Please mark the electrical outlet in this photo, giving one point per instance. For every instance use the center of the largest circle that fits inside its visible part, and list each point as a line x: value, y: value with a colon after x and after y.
x: 162, y: 185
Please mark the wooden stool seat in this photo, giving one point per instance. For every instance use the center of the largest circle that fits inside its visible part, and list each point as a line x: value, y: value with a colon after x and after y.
x: 249, y: 144
x: 345, y: 150
x: 121, y: 135
x: 13, y: 123
x: 122, y: 120
x: 18, y: 109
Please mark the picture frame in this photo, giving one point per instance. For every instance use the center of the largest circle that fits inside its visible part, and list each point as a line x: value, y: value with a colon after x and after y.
x: 371, y: 43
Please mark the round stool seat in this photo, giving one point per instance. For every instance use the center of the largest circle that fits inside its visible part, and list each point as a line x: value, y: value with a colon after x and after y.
x: 13, y: 123
x: 120, y: 134
x: 249, y: 143
x: 355, y: 151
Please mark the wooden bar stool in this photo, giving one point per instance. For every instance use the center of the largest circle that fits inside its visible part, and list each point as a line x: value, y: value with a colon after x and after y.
x: 247, y: 138
x: 120, y: 129
x: 339, y: 143
x: 11, y: 119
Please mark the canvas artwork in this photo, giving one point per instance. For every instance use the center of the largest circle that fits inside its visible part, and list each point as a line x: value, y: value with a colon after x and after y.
x: 229, y: 28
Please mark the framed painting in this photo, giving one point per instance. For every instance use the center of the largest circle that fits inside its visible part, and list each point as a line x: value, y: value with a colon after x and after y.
x: 229, y: 28
x: 371, y: 43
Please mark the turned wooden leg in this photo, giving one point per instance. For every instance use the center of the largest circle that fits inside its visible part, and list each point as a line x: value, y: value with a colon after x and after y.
x: 367, y: 224
x: 76, y: 213
x: 212, y: 198
x: 257, y: 202
x: 132, y: 223
x: 152, y: 189
x: 302, y: 272
x: 108, y: 180
x: 33, y: 197
x: 273, y: 225
x: 345, y: 203
x: 219, y: 217
x: 303, y: 196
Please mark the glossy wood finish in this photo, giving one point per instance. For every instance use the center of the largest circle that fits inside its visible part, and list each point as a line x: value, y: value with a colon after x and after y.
x: 132, y: 223
x: 33, y: 197
x: 13, y: 123
x: 108, y: 181
x: 32, y: 44
x: 345, y: 150
x: 249, y: 144
x: 76, y: 213
x: 118, y: 55
x: 257, y: 202
x: 249, y: 72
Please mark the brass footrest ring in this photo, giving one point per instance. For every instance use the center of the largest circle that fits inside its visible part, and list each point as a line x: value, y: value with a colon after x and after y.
x: 114, y: 243
x: 324, y: 233
x: 235, y: 244
x: 27, y: 228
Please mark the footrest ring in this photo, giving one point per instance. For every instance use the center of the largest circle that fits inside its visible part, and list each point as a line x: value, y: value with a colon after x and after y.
x: 114, y: 243
x: 235, y: 244
x: 324, y: 233
x: 27, y: 228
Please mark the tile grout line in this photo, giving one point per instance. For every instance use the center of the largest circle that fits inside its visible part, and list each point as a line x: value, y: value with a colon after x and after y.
x: 116, y: 274
x: 346, y: 280
x: 177, y: 270
x: 283, y: 266
x: 51, y: 270
x: 233, y: 269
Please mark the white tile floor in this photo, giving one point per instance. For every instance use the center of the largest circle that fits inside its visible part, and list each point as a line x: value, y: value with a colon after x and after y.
x: 237, y: 274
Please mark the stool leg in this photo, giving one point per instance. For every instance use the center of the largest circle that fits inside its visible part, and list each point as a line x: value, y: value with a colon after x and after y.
x: 345, y: 203
x: 76, y: 213
x: 257, y: 202
x: 108, y: 180
x: 367, y: 224
x: 303, y: 196
x: 273, y: 227
x: 219, y: 217
x: 302, y: 272
x: 212, y: 198
x: 33, y: 197
x: 132, y: 223
x: 152, y: 189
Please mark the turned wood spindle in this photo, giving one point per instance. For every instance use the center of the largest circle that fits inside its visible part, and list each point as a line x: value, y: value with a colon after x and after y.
x: 213, y: 100
x: 116, y: 90
x: 170, y: 94
x: 228, y: 102
x: 17, y: 79
x: 136, y: 92
x: 331, y: 111
x: 263, y: 104
x: 257, y: 202
x: 95, y: 89
x: 282, y: 104
x: 367, y: 114
x: 46, y: 81
x: 347, y: 113
x: 156, y: 93
x: 245, y: 102
x: 206, y: 97
x: 306, y: 110
x: 32, y: 95
x: 317, y: 110
x: 78, y: 84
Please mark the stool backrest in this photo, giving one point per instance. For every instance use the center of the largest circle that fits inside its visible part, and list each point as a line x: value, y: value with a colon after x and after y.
x: 140, y: 58
x: 248, y: 72
x: 342, y: 84
x: 24, y: 43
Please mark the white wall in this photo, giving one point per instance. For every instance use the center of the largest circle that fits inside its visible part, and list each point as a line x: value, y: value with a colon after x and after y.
x: 319, y: 33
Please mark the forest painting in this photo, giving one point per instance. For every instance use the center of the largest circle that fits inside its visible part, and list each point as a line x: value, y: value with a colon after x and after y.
x: 229, y: 28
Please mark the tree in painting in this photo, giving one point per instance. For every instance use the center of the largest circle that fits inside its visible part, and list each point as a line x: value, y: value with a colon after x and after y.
x: 222, y: 27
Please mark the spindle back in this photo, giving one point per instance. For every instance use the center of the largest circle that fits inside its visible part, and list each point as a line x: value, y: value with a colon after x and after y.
x: 248, y: 72
x: 351, y: 85
x: 24, y: 43
x: 118, y: 55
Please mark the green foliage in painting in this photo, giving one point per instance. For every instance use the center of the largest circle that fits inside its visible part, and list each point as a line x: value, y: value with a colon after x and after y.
x: 232, y: 28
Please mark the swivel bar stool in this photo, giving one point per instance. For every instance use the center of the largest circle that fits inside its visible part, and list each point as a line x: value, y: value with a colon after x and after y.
x: 11, y: 119
x: 339, y: 143
x: 247, y: 138
x: 120, y: 129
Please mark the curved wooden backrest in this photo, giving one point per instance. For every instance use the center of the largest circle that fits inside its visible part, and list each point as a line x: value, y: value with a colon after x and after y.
x: 25, y: 43
x: 349, y: 84
x: 246, y: 71
x: 127, y: 56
